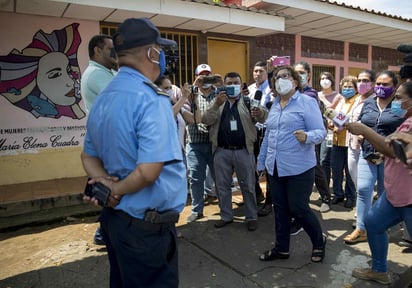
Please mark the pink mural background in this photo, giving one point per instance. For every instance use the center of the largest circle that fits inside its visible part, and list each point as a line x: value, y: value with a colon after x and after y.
x: 40, y: 70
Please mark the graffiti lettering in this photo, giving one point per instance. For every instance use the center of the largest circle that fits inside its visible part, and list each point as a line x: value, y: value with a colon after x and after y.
x: 5, y: 147
x: 31, y: 143
x: 56, y: 141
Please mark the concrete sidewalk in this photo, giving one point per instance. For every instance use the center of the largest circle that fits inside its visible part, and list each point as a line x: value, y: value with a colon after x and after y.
x: 226, y: 257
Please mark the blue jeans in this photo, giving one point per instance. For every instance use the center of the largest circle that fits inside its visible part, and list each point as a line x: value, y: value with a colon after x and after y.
x: 339, y: 158
x: 368, y: 174
x: 380, y: 217
x: 209, y: 183
x: 325, y: 152
x: 198, y: 156
x: 291, y: 199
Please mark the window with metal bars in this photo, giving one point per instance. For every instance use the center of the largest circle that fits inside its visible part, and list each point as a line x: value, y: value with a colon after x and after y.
x: 181, y: 60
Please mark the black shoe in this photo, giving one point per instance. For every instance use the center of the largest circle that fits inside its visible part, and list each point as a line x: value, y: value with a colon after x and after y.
x: 208, y: 199
x: 260, y: 198
x: 221, y: 223
x: 264, y: 210
x: 405, y: 243
x: 337, y: 200
x: 295, y: 228
x: 251, y: 225
x: 194, y: 217
x: 98, y: 238
x: 349, y: 203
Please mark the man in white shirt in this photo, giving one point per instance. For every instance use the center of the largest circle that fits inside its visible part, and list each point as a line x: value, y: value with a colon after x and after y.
x: 96, y: 77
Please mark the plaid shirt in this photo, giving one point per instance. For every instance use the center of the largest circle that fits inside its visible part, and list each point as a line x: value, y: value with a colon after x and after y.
x: 199, y: 133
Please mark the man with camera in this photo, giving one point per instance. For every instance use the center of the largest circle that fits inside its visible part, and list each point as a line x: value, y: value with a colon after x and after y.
x: 132, y: 150
x: 198, y: 148
x: 233, y: 134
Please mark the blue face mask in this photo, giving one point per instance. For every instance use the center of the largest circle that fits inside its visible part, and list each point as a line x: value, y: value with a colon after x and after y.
x: 161, y: 62
x: 236, y: 90
x: 396, y: 108
x: 348, y: 92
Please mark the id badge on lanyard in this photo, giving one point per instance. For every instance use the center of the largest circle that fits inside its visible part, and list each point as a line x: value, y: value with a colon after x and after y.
x: 233, y: 125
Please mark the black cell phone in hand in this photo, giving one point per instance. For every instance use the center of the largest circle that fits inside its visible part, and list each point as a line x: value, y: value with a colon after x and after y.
x: 99, y: 191
x: 399, y: 149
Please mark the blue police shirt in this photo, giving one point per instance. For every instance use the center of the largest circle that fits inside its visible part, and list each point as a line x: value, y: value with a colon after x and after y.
x: 280, y: 145
x: 130, y: 124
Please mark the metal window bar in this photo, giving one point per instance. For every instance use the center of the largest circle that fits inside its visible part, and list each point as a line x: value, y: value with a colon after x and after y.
x: 186, y: 54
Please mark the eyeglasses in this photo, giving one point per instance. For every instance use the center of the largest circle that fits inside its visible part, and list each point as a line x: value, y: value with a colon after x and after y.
x: 364, y: 80
x: 283, y: 76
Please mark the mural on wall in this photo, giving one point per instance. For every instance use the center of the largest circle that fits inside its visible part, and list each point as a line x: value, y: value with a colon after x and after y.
x: 44, y: 79
x: 42, y: 82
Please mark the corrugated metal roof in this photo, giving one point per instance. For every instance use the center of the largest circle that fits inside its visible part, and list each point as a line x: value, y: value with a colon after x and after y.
x: 336, y: 3
x: 233, y: 6
x: 372, y: 11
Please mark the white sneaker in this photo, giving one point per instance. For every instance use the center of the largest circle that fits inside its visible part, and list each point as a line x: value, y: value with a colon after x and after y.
x: 324, y: 208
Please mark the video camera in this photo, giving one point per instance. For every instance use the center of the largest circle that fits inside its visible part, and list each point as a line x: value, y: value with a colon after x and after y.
x: 230, y: 91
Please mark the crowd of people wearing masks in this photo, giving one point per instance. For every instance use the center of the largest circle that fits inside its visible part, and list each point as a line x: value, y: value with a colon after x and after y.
x: 168, y: 139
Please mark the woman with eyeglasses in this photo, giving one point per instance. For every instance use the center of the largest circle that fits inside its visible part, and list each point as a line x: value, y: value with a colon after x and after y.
x: 377, y: 114
x: 366, y: 82
x: 294, y: 127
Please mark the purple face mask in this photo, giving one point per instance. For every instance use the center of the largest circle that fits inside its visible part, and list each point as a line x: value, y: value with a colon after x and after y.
x: 364, y: 88
x: 383, y: 92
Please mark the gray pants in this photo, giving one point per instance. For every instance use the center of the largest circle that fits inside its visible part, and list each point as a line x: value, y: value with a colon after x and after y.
x: 225, y: 162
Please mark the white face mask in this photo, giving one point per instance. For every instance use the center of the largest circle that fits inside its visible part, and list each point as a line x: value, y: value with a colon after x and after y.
x: 303, y: 80
x: 325, y: 83
x: 283, y: 86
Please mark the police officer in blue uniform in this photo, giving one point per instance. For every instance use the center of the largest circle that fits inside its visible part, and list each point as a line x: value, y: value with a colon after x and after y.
x: 131, y: 146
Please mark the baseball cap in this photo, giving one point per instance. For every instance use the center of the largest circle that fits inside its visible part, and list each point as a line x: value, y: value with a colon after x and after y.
x: 203, y: 68
x: 135, y: 32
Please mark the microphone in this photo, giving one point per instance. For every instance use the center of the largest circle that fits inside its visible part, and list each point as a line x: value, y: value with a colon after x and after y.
x: 255, y: 102
x: 338, y: 119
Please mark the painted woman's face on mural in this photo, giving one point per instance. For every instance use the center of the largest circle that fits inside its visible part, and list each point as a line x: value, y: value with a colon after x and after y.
x: 54, y: 80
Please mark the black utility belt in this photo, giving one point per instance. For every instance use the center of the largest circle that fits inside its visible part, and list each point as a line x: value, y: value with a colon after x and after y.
x: 230, y: 147
x: 155, y: 217
x: 153, y: 221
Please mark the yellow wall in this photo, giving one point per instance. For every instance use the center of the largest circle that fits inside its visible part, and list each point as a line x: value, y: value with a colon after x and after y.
x: 354, y: 71
x: 44, y: 165
x: 228, y: 56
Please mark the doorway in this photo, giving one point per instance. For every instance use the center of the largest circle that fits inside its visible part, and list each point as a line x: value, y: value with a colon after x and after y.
x: 228, y: 56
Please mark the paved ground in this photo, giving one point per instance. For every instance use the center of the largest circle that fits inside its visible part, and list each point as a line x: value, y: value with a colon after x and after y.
x: 62, y: 255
